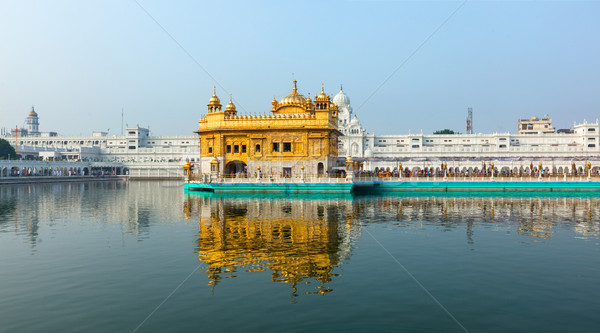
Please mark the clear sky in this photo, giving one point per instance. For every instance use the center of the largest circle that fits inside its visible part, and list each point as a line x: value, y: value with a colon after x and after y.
x: 81, y: 62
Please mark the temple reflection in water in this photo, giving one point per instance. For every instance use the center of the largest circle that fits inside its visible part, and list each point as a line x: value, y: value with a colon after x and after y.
x: 297, y: 240
x: 303, y: 239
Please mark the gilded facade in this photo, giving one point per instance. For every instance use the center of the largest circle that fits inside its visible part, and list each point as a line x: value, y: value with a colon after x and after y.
x: 300, y: 135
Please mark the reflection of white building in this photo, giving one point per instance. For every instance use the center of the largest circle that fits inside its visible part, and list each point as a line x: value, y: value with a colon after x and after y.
x: 510, y: 152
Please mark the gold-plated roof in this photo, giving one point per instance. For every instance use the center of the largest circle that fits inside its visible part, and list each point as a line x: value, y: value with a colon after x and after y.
x: 293, y: 99
x: 32, y: 113
x: 230, y: 106
x: 322, y: 96
x: 214, y: 100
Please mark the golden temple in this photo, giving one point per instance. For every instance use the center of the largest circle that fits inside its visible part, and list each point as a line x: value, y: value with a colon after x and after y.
x: 300, y: 135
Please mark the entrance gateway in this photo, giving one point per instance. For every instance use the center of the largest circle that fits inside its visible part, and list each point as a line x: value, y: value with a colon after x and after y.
x: 235, y: 167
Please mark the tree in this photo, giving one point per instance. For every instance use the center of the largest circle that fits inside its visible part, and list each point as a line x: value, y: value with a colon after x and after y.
x: 444, y: 131
x: 6, y: 150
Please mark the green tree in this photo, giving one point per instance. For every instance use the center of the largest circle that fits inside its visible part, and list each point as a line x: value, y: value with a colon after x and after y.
x: 6, y: 150
x: 444, y: 131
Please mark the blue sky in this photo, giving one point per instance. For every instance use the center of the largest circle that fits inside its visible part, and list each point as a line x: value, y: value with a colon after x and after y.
x: 81, y: 62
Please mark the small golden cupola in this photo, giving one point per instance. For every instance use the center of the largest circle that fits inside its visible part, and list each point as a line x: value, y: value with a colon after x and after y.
x: 322, y: 100
x: 230, y: 108
x: 214, y: 104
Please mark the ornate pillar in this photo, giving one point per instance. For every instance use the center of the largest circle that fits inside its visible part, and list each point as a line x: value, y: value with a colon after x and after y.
x: 349, y: 168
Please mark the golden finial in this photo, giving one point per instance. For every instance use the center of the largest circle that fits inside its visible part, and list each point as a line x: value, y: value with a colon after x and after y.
x: 341, y: 88
x: 322, y: 88
x: 215, y: 90
x: 295, y: 89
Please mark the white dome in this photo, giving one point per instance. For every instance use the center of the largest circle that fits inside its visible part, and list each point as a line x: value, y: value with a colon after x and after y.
x: 354, y: 121
x: 368, y: 152
x: 341, y: 99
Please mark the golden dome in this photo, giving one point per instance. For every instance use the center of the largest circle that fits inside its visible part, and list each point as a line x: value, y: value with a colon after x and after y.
x: 322, y: 96
x: 293, y: 99
x: 214, y: 100
x: 230, y: 106
x: 32, y: 113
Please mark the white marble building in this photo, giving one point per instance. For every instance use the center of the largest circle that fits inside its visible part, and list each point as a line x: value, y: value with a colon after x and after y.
x: 136, y: 153
x: 557, y: 152
x: 143, y: 154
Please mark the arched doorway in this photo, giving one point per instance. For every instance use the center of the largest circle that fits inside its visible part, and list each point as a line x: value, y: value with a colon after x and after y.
x: 320, y: 169
x: 235, y: 168
x: 354, y: 148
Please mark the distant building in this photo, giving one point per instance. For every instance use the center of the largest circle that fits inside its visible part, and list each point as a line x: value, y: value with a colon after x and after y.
x: 137, y: 153
x: 32, y: 127
x: 535, y: 126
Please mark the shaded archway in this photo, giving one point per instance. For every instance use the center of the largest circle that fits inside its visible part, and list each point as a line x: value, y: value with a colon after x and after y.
x: 320, y: 169
x: 235, y: 167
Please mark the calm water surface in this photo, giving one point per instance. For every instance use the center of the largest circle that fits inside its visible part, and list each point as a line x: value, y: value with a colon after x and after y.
x: 146, y: 257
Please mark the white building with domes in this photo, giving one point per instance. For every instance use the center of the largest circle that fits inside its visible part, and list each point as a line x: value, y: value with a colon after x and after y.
x: 517, y: 153
x: 556, y: 153
x: 352, y: 143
